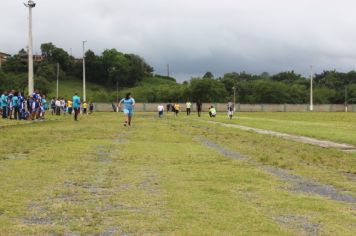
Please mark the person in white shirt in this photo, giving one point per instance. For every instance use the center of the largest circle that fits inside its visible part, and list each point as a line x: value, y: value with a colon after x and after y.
x: 58, y: 107
x: 230, y: 110
x: 160, y: 109
x: 188, y: 106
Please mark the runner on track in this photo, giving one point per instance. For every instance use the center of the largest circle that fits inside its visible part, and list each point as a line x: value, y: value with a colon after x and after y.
x: 129, y: 104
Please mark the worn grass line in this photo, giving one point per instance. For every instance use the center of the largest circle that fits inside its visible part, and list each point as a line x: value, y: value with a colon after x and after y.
x: 300, y: 184
x: 303, y: 139
x: 334, y: 126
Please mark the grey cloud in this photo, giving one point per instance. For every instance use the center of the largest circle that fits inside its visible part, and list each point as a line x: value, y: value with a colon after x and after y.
x: 194, y: 36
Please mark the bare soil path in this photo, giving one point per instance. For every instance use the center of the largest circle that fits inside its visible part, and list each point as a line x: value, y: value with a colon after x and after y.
x: 297, y: 138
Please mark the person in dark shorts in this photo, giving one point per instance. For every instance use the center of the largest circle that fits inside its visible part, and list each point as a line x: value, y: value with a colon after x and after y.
x: 91, y: 107
x: 76, y: 106
x: 199, y: 107
x: 176, y: 109
x: 188, y: 107
x: 53, y: 106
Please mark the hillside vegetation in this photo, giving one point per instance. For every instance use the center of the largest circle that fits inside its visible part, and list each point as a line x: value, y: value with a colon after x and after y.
x: 132, y: 73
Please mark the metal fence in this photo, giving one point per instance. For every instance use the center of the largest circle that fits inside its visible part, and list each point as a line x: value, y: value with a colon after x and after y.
x: 222, y: 107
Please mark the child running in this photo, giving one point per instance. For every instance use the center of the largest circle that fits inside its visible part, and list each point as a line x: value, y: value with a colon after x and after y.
x: 129, y: 104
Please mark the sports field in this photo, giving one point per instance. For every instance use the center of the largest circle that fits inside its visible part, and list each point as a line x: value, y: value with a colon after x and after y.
x: 177, y: 176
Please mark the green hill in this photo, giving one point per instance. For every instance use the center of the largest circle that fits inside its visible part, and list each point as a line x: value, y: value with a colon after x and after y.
x: 145, y: 91
x: 67, y: 88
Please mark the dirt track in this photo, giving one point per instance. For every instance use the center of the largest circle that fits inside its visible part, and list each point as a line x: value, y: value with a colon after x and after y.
x: 297, y: 138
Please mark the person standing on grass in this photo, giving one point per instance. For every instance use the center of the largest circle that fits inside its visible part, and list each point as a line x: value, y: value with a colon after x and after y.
x: 176, y: 108
x: 9, y: 104
x: 230, y: 110
x: 16, y: 106
x: 188, y: 106
x: 44, y: 106
x: 70, y: 107
x: 85, y: 107
x: 91, y: 107
x: 129, y: 104
x: 53, y: 106
x: 21, y: 105
x: 4, y: 104
x: 76, y: 106
x: 62, y: 105
x: 160, y: 109
x: 199, y: 107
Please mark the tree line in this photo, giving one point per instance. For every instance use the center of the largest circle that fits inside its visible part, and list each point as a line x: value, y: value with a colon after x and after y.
x: 108, y: 68
x: 330, y: 87
x: 131, y: 72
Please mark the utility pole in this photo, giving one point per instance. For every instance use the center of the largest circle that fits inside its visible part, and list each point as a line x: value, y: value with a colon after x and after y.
x: 117, y: 91
x: 311, y: 108
x: 234, y: 88
x: 168, y: 70
x: 84, y: 88
x: 30, y: 4
x: 57, y: 80
x: 346, y: 103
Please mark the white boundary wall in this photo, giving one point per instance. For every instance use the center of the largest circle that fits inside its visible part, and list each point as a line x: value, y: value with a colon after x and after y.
x: 222, y: 107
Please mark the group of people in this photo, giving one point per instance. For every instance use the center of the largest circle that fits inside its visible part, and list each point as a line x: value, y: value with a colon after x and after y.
x: 62, y: 106
x: 176, y: 109
x: 14, y: 105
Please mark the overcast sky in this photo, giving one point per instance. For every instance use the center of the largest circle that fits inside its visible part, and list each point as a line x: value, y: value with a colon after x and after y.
x: 195, y: 36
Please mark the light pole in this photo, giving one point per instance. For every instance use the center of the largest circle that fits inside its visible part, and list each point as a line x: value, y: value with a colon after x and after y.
x: 57, y: 80
x: 30, y: 4
x: 84, y: 89
x: 234, y: 88
x: 311, y: 108
x: 346, y: 103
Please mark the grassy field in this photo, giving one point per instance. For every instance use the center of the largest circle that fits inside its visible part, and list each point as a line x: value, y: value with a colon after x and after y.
x: 170, y: 176
x: 339, y: 127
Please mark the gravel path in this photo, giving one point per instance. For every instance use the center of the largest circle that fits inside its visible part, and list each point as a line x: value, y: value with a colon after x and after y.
x: 299, y: 184
x: 297, y: 138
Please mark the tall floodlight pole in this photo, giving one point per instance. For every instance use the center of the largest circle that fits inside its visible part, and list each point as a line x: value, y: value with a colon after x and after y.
x: 311, y: 108
x: 168, y: 70
x: 117, y: 90
x: 234, y: 88
x: 84, y: 88
x: 30, y: 4
x: 346, y: 103
x: 57, y: 80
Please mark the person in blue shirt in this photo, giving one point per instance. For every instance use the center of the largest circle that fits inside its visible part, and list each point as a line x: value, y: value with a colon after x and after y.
x: 21, y: 105
x: 76, y: 106
x: 3, y: 101
x: 16, y: 106
x: 129, y: 104
x: 9, y: 103
x: 44, y: 106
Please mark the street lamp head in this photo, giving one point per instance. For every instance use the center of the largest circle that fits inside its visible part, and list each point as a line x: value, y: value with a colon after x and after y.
x: 30, y: 4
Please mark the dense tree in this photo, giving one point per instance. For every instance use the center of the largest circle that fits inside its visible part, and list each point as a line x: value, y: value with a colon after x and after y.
x: 207, y: 90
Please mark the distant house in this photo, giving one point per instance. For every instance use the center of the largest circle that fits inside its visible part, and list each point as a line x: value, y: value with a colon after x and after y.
x: 3, y: 57
x: 78, y: 60
x: 24, y: 57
